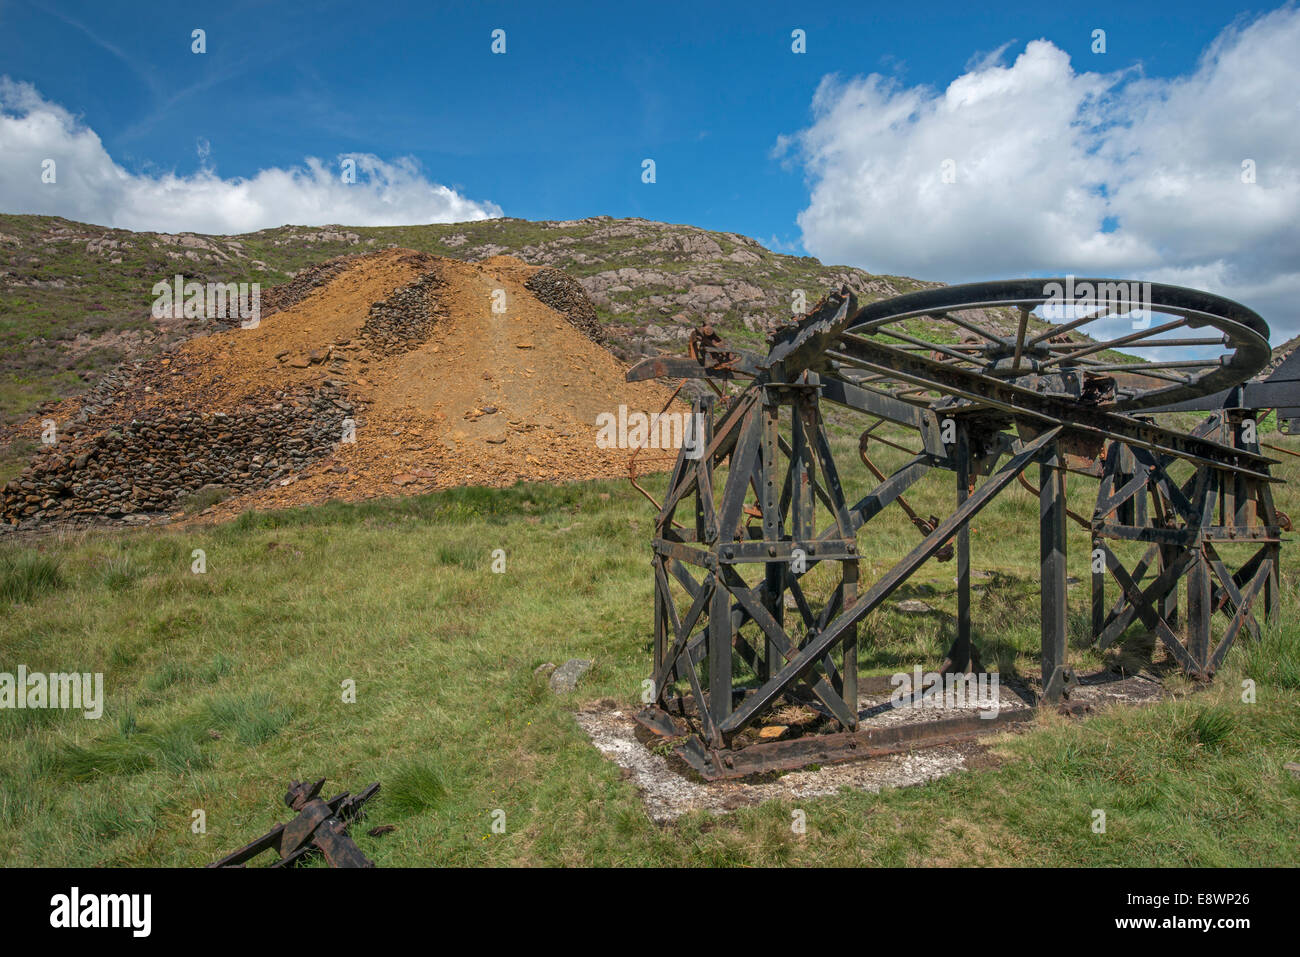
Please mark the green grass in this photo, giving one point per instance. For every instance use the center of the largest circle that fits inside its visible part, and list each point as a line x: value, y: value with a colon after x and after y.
x: 118, y: 573
x: 415, y: 787
x: 220, y: 688
x: 27, y: 575
x: 252, y: 718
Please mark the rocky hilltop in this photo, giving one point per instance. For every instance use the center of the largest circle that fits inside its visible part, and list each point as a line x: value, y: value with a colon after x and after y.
x: 75, y: 299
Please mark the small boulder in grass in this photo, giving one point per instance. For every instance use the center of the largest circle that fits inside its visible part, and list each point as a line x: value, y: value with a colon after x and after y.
x: 913, y: 607
x: 565, y: 678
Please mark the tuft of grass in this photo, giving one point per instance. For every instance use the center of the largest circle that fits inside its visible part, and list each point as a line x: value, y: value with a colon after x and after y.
x: 117, y: 573
x: 27, y: 575
x: 463, y: 556
x: 126, y: 723
x: 106, y: 819
x: 174, y: 749
x: 120, y: 757
x: 1213, y: 726
x: 216, y: 669
x: 1273, y: 660
x: 177, y: 750
x: 252, y: 718
x: 171, y: 673
x: 415, y: 787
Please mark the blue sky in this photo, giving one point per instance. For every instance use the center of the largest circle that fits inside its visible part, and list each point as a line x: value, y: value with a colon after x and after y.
x: 558, y: 127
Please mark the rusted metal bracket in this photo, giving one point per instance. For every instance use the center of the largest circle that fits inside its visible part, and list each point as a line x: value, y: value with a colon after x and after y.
x: 321, y: 826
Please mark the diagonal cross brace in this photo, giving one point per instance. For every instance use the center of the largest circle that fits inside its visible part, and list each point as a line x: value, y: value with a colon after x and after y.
x: 808, y: 656
x: 845, y: 712
x: 1140, y: 604
x: 1243, y: 615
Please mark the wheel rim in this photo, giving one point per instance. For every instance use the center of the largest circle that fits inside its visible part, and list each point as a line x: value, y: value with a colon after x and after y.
x: 1067, y: 333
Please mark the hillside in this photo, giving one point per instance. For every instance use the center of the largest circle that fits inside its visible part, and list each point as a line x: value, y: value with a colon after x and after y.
x: 74, y: 298
x: 392, y: 371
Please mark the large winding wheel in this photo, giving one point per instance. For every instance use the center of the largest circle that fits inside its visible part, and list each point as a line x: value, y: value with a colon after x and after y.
x: 993, y: 378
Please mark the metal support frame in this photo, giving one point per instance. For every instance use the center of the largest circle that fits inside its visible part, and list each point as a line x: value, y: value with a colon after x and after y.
x: 962, y: 656
x: 717, y: 676
x: 1189, y: 529
x: 731, y: 645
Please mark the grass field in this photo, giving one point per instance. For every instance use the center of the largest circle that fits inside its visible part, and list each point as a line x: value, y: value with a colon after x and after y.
x: 222, y: 686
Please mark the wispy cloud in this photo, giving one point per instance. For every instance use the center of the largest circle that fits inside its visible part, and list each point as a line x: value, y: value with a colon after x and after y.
x: 91, y: 187
x: 139, y: 66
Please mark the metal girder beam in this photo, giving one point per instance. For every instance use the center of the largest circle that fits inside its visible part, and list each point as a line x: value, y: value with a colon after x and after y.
x: 1017, y: 400
x: 960, y: 656
x: 712, y: 364
x: 879, y: 498
x: 843, y: 746
x: 886, y: 407
x: 1051, y: 564
x: 1242, y: 616
x: 1231, y: 595
x: 1140, y: 605
x: 844, y: 711
x: 1137, y: 600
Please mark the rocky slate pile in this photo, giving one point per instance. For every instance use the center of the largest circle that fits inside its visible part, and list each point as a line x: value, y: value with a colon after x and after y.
x: 406, y: 318
x: 285, y: 295
x: 565, y: 295
x: 149, y: 466
x: 306, y: 281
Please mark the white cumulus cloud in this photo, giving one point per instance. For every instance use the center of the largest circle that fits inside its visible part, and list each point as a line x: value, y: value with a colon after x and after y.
x: 89, y: 186
x: 1061, y: 170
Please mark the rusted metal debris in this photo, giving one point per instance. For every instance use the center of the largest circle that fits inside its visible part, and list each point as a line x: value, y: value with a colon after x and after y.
x: 781, y: 753
x: 321, y: 826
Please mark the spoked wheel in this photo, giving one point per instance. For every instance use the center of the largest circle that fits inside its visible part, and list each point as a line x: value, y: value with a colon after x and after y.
x: 1112, y: 344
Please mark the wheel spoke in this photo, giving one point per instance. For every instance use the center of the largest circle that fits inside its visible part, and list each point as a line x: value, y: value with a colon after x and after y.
x: 929, y: 346
x: 1113, y: 343
x: 1141, y: 368
x: 1020, y: 338
x: 1062, y: 328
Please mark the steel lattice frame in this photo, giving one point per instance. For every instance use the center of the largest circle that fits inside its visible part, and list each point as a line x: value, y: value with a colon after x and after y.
x: 990, y: 407
x: 1190, y: 530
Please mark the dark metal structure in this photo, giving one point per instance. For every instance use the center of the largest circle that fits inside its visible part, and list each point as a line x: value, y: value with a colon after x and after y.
x: 321, y: 827
x: 991, y: 390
